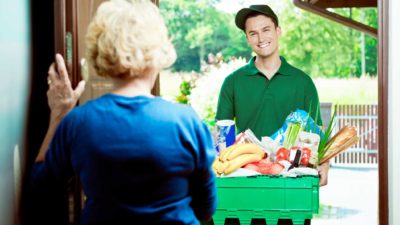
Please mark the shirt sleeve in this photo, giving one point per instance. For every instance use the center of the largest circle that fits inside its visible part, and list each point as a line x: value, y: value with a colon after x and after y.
x: 225, y: 107
x: 312, y: 102
x: 203, y: 189
x: 56, y: 169
x: 48, y: 183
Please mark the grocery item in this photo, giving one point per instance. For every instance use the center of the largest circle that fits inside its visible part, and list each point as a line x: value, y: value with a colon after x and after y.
x: 226, y: 134
x: 236, y: 156
x: 225, y: 153
x: 240, y: 161
x: 245, y: 149
x: 342, y: 140
x: 282, y: 154
x: 301, y: 117
x: 310, y: 141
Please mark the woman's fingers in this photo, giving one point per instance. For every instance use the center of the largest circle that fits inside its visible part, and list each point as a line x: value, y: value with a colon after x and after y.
x: 79, y: 89
x: 51, y: 74
x: 62, y: 69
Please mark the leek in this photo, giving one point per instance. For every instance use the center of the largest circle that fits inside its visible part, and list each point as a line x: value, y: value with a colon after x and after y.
x: 323, y: 147
x: 291, y: 134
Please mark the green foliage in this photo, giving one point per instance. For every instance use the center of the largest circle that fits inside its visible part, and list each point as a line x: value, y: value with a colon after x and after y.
x: 323, y: 144
x: 318, y: 46
x: 185, y: 89
x: 322, y: 47
x: 198, y: 28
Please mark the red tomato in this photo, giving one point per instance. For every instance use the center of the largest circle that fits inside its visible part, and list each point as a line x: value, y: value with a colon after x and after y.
x: 305, y: 157
x: 282, y: 154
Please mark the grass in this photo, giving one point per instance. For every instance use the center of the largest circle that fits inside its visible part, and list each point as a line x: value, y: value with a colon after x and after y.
x: 362, y: 90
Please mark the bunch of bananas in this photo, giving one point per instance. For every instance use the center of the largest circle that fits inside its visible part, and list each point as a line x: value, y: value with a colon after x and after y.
x: 236, y: 156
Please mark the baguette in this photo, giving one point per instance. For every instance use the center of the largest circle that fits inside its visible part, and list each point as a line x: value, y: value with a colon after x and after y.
x: 334, y: 152
x: 342, y: 140
x: 342, y: 136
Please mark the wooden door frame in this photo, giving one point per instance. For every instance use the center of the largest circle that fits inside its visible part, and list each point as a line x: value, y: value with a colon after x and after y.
x: 383, y: 50
x: 66, y: 22
x: 66, y: 43
x: 383, y: 33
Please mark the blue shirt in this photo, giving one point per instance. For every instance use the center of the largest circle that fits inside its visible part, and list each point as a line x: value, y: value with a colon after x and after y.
x: 140, y: 160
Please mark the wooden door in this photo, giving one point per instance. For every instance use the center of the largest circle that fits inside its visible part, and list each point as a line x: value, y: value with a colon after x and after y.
x: 66, y: 35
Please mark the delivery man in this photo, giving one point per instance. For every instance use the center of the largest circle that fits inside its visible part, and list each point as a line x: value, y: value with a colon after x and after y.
x: 262, y: 93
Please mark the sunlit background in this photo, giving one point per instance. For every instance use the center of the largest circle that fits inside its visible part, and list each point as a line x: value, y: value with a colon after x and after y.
x: 341, y: 61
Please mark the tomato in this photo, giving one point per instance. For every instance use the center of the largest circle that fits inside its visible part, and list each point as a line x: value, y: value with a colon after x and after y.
x: 282, y: 154
x: 305, y: 157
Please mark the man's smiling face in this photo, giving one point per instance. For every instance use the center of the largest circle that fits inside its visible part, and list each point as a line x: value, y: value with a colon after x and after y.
x: 262, y: 35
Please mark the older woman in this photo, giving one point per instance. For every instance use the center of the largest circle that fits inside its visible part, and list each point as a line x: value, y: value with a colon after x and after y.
x: 140, y: 159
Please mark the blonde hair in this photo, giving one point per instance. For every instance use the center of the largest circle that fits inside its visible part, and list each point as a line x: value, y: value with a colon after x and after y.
x: 126, y: 37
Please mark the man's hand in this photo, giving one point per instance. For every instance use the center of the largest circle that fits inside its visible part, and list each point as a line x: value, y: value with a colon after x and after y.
x: 60, y: 95
x: 323, y: 171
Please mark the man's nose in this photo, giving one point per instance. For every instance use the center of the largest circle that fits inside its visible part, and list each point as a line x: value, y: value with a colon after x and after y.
x: 261, y: 37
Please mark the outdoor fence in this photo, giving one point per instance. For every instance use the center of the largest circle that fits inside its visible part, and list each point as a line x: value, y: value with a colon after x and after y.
x: 365, y: 118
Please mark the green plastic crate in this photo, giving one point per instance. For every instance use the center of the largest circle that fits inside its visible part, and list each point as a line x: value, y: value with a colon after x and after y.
x: 267, y: 197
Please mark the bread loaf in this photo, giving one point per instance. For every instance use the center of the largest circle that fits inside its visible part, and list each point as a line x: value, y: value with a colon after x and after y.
x: 342, y: 140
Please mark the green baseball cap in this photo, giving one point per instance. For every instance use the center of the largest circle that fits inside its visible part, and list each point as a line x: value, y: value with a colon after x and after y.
x: 241, y: 16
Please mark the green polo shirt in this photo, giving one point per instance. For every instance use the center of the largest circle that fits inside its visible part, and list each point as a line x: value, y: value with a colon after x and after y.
x: 255, y: 102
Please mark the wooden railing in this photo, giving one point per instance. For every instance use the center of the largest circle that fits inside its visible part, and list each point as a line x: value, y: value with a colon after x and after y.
x: 365, y: 118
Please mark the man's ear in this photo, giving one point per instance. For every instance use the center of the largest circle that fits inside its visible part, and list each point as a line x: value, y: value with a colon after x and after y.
x: 279, y: 31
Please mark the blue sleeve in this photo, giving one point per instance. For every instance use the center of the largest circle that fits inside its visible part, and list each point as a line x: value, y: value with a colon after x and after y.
x: 56, y: 169
x: 46, y: 198
x: 202, y: 184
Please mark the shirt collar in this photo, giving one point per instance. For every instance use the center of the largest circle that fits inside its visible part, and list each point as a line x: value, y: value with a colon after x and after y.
x: 284, y: 69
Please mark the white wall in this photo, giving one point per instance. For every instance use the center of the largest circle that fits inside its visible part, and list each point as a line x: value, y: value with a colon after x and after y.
x: 394, y: 113
x: 14, y: 74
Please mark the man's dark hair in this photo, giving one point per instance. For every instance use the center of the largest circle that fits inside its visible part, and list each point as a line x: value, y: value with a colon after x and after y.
x: 254, y: 14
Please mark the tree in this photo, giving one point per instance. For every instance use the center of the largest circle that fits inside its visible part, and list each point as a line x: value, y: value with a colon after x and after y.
x: 198, y: 28
x: 316, y: 45
x: 322, y: 47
